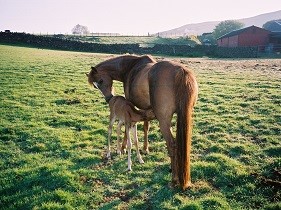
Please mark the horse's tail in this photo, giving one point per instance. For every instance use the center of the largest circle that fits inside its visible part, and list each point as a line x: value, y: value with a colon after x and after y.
x: 186, y: 96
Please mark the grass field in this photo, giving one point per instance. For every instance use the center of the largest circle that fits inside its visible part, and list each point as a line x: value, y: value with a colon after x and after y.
x: 53, y: 134
x: 144, y: 40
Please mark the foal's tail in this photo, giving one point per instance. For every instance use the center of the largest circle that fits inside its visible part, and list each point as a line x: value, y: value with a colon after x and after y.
x: 140, y: 115
x: 186, y: 96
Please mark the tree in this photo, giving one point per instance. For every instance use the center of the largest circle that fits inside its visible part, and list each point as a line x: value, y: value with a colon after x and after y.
x: 79, y: 29
x: 226, y: 26
x: 272, y: 25
x: 207, y: 39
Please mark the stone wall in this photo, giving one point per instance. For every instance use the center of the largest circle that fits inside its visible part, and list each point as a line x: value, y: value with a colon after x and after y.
x: 160, y: 49
x: 236, y: 52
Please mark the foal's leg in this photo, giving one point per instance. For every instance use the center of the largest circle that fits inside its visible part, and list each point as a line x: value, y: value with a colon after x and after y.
x: 112, y: 119
x: 124, y: 143
x: 118, y: 137
x: 146, y: 143
x: 129, y: 145
x: 134, y: 129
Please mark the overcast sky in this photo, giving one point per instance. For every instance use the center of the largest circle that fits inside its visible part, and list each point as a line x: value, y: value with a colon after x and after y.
x: 123, y: 16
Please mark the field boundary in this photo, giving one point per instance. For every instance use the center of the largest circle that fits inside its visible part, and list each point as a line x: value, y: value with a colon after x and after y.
x: 61, y: 43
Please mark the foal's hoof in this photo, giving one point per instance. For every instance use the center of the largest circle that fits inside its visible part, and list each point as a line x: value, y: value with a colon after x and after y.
x: 145, y: 151
x: 129, y: 169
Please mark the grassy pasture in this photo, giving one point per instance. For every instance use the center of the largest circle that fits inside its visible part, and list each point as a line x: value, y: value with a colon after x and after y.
x: 192, y: 40
x: 53, y: 131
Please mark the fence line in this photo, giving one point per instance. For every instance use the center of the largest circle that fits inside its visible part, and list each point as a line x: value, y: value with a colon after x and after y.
x: 94, y: 34
x: 50, y: 42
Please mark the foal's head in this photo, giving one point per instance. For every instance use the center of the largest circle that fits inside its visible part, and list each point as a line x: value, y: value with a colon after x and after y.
x: 102, y: 81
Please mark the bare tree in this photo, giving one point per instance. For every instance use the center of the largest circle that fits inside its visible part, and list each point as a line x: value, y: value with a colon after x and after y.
x: 79, y: 29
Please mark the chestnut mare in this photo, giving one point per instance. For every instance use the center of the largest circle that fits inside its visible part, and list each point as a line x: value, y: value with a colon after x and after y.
x: 125, y: 112
x: 165, y: 87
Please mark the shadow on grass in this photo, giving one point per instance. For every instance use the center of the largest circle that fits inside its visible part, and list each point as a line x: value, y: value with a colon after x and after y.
x: 23, y: 186
x: 218, y: 182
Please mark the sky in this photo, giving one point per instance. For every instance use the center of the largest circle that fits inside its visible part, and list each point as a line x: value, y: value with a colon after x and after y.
x: 127, y: 17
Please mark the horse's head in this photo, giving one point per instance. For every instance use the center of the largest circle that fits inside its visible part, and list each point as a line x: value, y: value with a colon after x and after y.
x: 102, y: 81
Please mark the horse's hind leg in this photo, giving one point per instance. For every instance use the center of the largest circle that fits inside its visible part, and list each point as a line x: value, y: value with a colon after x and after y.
x: 146, y: 143
x: 165, y: 127
x: 163, y: 101
x: 134, y: 129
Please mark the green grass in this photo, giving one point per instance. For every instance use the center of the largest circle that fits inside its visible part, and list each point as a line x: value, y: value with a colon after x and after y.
x: 144, y: 40
x: 53, y: 134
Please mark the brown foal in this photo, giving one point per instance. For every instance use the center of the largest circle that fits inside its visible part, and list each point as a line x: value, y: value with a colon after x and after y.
x: 125, y: 112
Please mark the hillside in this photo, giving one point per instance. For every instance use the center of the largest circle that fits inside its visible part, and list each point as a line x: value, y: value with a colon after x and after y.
x: 205, y: 27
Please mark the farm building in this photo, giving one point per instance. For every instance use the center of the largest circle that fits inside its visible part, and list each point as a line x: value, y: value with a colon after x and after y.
x: 274, y: 26
x: 245, y: 37
x: 275, y: 36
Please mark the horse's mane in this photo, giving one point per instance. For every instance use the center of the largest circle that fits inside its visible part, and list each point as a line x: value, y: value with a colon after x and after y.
x: 121, y: 65
x: 126, y: 61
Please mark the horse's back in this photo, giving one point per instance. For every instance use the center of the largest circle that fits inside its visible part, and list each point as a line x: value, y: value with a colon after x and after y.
x: 154, y: 83
x: 162, y: 87
x: 165, y: 74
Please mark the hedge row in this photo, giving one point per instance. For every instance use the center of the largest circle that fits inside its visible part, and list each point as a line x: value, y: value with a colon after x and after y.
x: 237, y: 52
x: 164, y: 49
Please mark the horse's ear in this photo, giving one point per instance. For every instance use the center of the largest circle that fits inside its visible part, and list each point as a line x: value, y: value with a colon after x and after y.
x: 87, y: 74
x: 94, y: 70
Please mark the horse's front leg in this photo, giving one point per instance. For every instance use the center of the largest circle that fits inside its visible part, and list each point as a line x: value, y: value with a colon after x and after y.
x: 134, y: 130
x: 146, y: 143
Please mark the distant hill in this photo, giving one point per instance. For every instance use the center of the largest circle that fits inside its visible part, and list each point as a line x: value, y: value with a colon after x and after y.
x: 205, y: 27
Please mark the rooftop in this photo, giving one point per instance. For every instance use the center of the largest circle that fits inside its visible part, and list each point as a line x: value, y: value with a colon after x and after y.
x: 239, y: 31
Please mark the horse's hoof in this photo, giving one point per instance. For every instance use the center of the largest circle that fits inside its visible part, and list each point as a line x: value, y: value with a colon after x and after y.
x: 129, y: 169
x: 188, y: 185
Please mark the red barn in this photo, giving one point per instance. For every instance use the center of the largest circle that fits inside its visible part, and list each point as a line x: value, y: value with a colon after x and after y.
x: 249, y: 36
